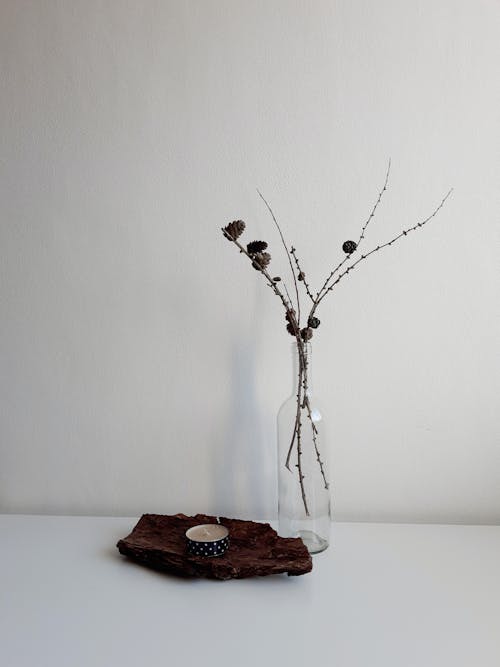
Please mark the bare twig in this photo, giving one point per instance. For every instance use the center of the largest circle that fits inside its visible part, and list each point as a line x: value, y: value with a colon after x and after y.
x: 405, y: 232
x: 315, y: 442
x: 307, y: 405
x: 302, y: 365
x: 297, y: 418
x: 299, y: 467
x: 301, y: 273
x: 360, y: 239
x: 380, y: 194
x: 286, y: 250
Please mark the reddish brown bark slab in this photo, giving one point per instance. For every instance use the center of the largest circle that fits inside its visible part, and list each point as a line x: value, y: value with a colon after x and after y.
x: 158, y: 541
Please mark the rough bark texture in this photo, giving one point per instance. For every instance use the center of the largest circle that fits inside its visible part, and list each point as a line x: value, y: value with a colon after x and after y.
x: 255, y: 549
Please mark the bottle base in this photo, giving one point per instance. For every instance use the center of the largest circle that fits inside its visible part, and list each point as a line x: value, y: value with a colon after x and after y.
x: 314, y: 543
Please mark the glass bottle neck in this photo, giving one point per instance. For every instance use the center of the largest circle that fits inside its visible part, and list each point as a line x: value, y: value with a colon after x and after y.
x: 303, y: 354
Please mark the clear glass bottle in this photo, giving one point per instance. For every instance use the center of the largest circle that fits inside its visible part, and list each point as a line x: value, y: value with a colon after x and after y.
x: 303, y: 511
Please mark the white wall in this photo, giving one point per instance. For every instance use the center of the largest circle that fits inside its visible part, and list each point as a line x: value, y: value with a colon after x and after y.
x: 142, y: 363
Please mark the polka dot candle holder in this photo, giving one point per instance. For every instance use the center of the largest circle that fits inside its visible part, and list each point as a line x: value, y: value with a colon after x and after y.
x: 209, y: 539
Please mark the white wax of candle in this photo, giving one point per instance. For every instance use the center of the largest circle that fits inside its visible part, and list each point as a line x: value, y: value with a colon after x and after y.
x: 207, y: 532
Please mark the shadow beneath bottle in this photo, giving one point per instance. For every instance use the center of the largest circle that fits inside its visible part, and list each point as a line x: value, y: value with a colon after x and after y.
x: 244, y: 464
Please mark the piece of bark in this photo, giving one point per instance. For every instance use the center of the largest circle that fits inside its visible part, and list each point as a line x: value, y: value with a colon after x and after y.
x: 255, y: 549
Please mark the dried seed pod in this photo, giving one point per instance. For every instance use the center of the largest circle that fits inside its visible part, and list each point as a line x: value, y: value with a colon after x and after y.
x: 256, y: 246
x: 290, y: 314
x: 313, y: 322
x: 276, y: 279
x: 234, y: 230
x: 261, y: 260
x: 290, y: 329
x: 349, y: 247
x: 306, y: 333
x: 301, y: 276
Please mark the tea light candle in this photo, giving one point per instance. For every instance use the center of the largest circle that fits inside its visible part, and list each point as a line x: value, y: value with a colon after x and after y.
x: 208, y: 539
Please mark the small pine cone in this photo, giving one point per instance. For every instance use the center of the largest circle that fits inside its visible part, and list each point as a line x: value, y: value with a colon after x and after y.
x: 349, y: 247
x: 234, y: 230
x: 261, y: 260
x: 256, y: 246
x: 306, y: 333
x: 290, y: 329
x: 301, y: 276
x: 313, y: 322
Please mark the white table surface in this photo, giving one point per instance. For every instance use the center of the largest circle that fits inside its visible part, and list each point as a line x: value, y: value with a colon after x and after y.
x: 382, y: 595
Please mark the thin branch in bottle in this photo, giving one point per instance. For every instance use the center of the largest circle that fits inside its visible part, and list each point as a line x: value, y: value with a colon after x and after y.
x: 299, y: 467
x: 302, y: 364
x: 307, y: 406
x: 297, y: 419
x: 315, y: 442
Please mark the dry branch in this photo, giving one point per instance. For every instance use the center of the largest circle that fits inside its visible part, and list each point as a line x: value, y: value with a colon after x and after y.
x: 232, y: 232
